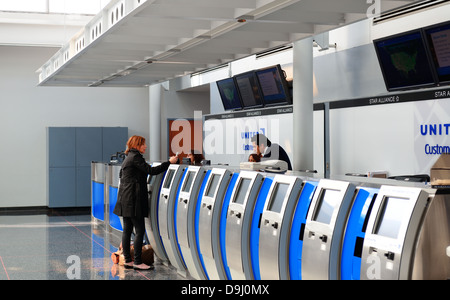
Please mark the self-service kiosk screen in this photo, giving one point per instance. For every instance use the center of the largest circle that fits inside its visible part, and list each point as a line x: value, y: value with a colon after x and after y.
x: 168, y: 180
x: 390, y: 216
x: 277, y: 199
x: 325, y: 206
x: 188, y: 182
x: 244, y: 184
x: 213, y: 185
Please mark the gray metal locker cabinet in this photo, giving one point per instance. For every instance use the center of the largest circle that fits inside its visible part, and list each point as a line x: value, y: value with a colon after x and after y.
x: 83, y: 187
x: 61, y: 173
x: 62, y: 187
x: 61, y: 147
x: 114, y: 140
x: 70, y: 153
x: 88, y: 146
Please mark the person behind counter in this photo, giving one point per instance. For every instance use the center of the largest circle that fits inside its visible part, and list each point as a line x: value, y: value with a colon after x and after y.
x: 254, y: 157
x: 196, y: 158
x: 269, y: 151
x: 132, y: 201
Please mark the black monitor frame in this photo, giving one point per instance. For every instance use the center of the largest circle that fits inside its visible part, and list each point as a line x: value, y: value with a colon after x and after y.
x: 284, y: 95
x: 425, y: 57
x: 222, y: 85
x: 443, y: 79
x: 258, y: 97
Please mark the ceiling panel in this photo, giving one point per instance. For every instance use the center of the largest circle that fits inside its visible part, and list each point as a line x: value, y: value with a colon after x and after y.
x: 157, y: 40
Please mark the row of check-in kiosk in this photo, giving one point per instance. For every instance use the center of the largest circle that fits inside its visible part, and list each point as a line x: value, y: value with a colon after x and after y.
x: 222, y: 224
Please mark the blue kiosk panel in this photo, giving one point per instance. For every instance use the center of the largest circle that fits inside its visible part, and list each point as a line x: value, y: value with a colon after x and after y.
x: 223, y: 224
x: 297, y: 230
x: 255, y: 227
x: 355, y: 233
x: 98, y: 201
x: 114, y: 220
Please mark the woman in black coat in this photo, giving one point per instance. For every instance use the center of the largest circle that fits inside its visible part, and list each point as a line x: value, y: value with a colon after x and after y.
x: 132, y: 198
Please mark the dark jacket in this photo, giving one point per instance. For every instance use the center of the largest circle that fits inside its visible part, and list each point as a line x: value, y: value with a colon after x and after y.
x: 132, y: 198
x: 278, y: 153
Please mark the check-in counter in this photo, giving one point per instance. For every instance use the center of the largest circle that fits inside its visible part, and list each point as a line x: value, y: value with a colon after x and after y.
x: 324, y: 230
x: 407, y: 234
x: 98, y: 191
x: 113, y: 180
x: 355, y: 232
x: 275, y: 226
x: 151, y: 223
x: 187, y: 226
x: 297, y: 230
x: 166, y: 216
x: 224, y: 224
x: 240, y: 218
x: 214, y: 202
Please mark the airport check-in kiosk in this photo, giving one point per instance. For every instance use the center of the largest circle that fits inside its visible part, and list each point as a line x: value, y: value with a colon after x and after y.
x: 186, y: 222
x: 355, y: 232
x: 275, y: 225
x: 151, y: 223
x: 98, y: 191
x: 210, y: 214
x: 325, y: 225
x: 238, y: 224
x: 392, y: 233
x: 115, y: 222
x: 166, y: 216
x: 297, y: 230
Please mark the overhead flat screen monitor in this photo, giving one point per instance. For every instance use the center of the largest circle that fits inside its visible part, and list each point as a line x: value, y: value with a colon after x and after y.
x: 438, y: 39
x: 229, y: 94
x: 168, y: 180
x: 277, y: 198
x: 249, y: 89
x: 390, y: 217
x: 404, y: 61
x: 242, y: 189
x: 213, y: 185
x: 274, y: 86
x: 327, y: 202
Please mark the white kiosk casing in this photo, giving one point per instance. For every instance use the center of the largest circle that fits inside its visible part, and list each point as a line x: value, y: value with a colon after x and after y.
x: 392, y: 233
x: 151, y: 223
x: 166, y: 217
x: 324, y: 230
x: 209, y: 223
x: 275, y: 225
x: 185, y: 217
x: 239, y: 216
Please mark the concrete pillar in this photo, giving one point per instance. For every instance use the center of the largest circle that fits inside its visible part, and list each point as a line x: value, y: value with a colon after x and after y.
x: 303, y: 103
x: 154, y: 144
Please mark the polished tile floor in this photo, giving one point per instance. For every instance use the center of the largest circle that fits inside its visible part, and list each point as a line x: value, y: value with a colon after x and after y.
x: 62, y: 247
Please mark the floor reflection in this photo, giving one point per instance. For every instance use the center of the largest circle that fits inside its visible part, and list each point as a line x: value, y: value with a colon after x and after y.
x: 41, y: 247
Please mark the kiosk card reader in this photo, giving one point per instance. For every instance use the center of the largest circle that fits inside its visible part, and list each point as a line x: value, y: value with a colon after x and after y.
x: 392, y: 233
x: 209, y: 223
x: 238, y: 223
x: 325, y: 225
x: 151, y: 223
x: 275, y: 227
x: 166, y: 217
x: 185, y: 220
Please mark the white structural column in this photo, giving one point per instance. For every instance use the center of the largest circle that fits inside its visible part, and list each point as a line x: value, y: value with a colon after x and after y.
x: 154, y: 144
x: 303, y: 102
